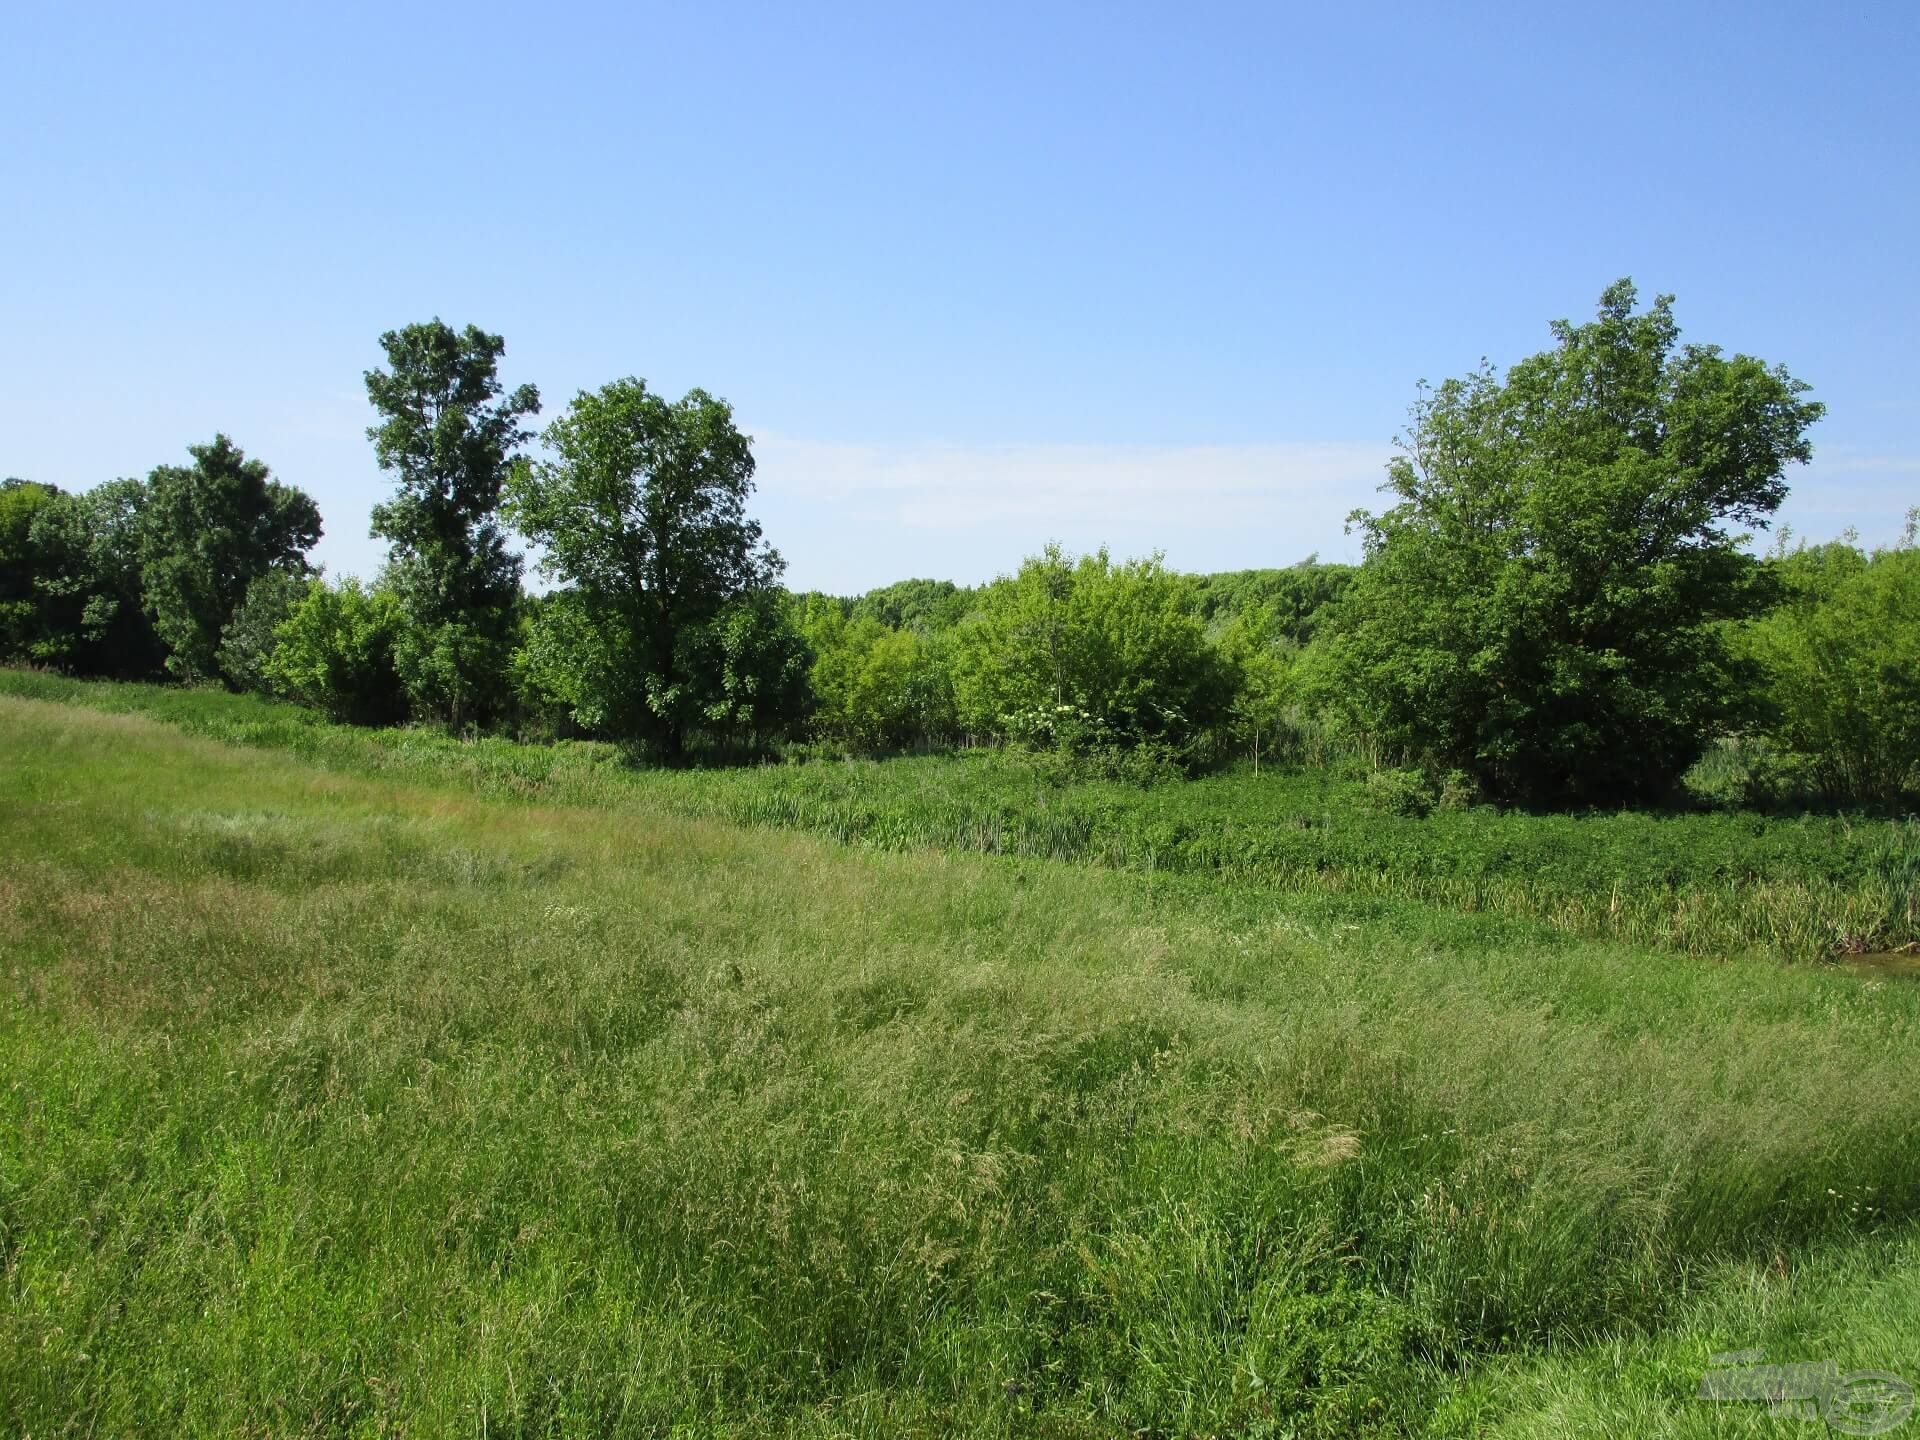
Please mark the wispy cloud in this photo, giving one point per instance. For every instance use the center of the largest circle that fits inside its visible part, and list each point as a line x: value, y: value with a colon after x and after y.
x: 851, y: 512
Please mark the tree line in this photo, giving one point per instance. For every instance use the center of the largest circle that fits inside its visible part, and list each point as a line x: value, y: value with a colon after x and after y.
x: 1559, y: 607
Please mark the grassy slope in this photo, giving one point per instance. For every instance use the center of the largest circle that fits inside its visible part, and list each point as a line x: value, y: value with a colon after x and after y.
x: 1705, y: 884
x: 339, y: 1101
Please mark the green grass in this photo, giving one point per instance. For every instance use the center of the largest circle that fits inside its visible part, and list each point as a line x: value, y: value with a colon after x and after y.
x: 368, y: 1097
x: 1710, y: 884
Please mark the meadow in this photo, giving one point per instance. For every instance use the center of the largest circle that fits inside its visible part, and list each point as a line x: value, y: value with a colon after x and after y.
x: 371, y: 1083
x: 1711, y: 882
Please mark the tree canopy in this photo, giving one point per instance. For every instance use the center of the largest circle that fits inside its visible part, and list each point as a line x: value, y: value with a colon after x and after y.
x: 640, y: 506
x: 209, y: 530
x: 448, y: 433
x: 1545, y: 607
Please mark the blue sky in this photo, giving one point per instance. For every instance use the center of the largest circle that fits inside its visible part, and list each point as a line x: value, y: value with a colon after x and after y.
x: 975, y: 277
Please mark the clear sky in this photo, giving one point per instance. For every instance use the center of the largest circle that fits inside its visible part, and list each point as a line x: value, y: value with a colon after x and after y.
x: 974, y: 276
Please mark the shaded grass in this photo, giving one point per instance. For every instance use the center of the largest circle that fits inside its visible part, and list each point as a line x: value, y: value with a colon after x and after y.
x: 1716, y: 884
x: 340, y: 1102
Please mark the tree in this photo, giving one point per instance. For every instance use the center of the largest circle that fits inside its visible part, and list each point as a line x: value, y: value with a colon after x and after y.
x: 21, y: 564
x: 641, y: 508
x: 210, y: 529
x: 1087, y: 652
x: 747, y: 667
x: 448, y: 435
x: 91, y: 619
x: 1842, y: 655
x: 1544, y: 606
x: 928, y: 606
x: 249, y: 640
x: 1293, y: 601
x: 1262, y: 659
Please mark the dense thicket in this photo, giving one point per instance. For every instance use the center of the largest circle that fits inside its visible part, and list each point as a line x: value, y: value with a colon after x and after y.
x: 1560, y: 608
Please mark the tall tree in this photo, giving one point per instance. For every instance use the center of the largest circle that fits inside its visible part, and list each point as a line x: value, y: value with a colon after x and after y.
x: 448, y: 434
x: 1543, y: 606
x: 641, y: 508
x: 210, y: 529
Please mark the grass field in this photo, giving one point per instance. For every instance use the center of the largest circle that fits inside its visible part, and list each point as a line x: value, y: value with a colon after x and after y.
x: 351, y: 1091
x: 1711, y: 884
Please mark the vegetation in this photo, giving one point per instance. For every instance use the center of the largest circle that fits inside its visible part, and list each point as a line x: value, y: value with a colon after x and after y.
x: 343, y: 1101
x: 1087, y: 656
x: 1845, y: 668
x: 1558, y: 613
x: 1545, y: 608
x: 665, y: 625
x: 1237, y: 1005
x: 1710, y: 883
x: 448, y: 435
x: 209, y: 531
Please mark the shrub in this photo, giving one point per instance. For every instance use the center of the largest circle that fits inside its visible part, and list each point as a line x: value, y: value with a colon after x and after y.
x: 335, y: 651
x: 1406, y: 792
x: 1843, y: 659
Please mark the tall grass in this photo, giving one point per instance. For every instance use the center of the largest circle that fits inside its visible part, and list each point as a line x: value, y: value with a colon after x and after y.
x: 1710, y: 884
x: 340, y: 1101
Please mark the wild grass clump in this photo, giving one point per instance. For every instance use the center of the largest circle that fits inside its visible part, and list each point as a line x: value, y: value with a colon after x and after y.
x: 342, y: 1101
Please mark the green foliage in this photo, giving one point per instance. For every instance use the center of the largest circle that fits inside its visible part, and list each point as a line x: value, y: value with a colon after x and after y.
x: 247, y: 643
x: 336, y: 651
x: 370, y: 1098
x: 448, y: 435
x: 1400, y: 792
x: 746, y: 673
x: 1545, y: 605
x: 1115, y: 642
x: 1289, y: 604
x: 1706, y: 884
x: 1843, y: 659
x: 21, y: 622
x: 208, y: 531
x: 90, y: 617
x: 925, y: 606
x: 641, y: 511
x: 1262, y: 659
x: 875, y: 688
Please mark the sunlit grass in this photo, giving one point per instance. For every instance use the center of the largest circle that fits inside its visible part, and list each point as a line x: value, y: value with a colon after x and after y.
x: 342, y: 1101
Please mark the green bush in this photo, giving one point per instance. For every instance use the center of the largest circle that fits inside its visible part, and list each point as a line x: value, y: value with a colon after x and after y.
x: 1843, y: 658
x: 336, y: 651
x: 1406, y: 792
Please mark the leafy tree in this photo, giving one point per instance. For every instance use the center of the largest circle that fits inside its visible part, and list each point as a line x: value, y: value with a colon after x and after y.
x: 641, y: 508
x: 335, y: 651
x: 1843, y: 660
x: 1543, y: 608
x: 210, y: 529
x: 748, y: 666
x: 1088, y: 652
x: 20, y: 566
x: 928, y: 606
x: 248, y: 642
x: 1294, y: 602
x: 91, y: 619
x: 448, y: 434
